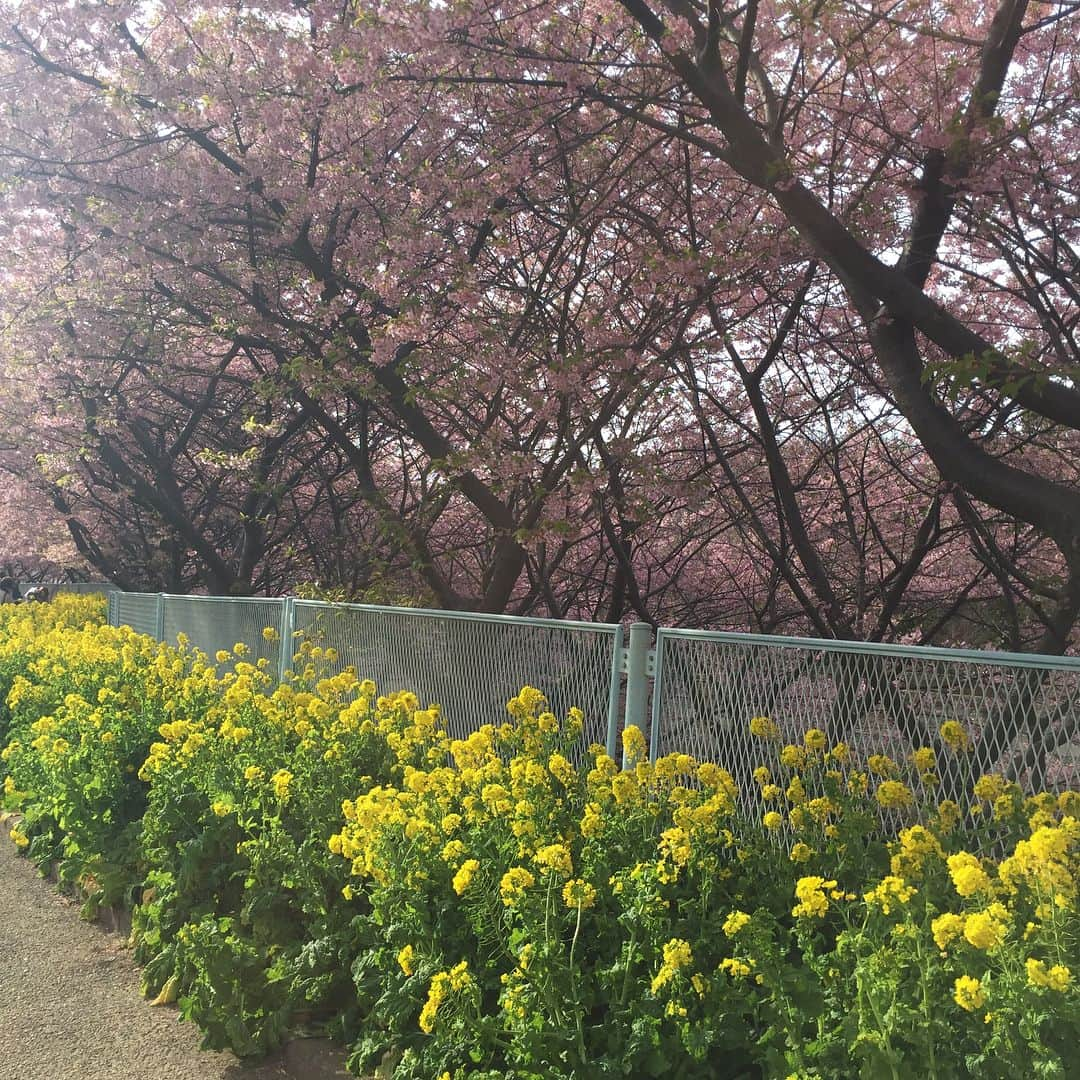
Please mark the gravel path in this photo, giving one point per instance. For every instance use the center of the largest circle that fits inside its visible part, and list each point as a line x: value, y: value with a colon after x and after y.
x: 70, y: 1007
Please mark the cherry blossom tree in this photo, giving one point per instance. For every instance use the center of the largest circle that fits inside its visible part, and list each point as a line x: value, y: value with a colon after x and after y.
x: 748, y: 315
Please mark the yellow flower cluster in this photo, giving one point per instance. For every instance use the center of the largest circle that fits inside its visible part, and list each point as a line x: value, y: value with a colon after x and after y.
x: 967, y: 874
x: 735, y: 922
x: 763, y: 728
x: 810, y: 891
x: 677, y: 955
x: 635, y: 748
x: 801, y: 852
x: 945, y: 928
x: 555, y: 858
x: 987, y: 929
x: 737, y: 969
x: 954, y: 736
x: 882, y: 765
x: 894, y: 795
x: 890, y: 892
x: 444, y: 984
x: 1056, y: 978
x: 924, y: 759
x: 513, y: 885
x: 968, y: 993
x: 913, y: 848
x: 579, y: 894
x: 1047, y: 863
x: 463, y: 878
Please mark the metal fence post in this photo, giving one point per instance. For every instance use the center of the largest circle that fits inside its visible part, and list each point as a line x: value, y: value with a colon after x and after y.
x: 288, y: 625
x: 637, y: 659
x: 617, y: 667
x: 160, y: 631
x: 657, y: 695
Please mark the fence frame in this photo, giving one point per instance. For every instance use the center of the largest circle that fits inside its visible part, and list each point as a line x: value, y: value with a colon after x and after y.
x: 287, y: 628
x: 632, y: 657
x: 618, y: 658
x: 1023, y: 661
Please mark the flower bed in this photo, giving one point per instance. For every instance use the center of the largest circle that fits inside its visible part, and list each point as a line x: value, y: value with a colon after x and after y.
x: 313, y: 853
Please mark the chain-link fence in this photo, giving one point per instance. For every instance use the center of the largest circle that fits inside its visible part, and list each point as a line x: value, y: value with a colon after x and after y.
x: 1018, y: 715
x: 140, y: 611
x: 472, y: 664
x: 469, y: 664
x: 217, y: 624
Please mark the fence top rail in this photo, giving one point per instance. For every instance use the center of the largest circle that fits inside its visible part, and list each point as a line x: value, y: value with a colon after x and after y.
x: 466, y: 616
x: 916, y: 652
x: 428, y: 613
x: 225, y: 599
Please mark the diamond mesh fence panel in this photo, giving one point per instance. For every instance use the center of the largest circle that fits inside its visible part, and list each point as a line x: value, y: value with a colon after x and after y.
x: 137, y: 610
x: 472, y: 664
x: 213, y: 623
x: 1020, y: 715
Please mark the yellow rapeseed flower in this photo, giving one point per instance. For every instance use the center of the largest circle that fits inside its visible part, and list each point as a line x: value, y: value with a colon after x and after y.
x: 810, y: 892
x: 946, y: 928
x: 280, y: 782
x: 893, y: 795
x: 954, y: 736
x: 676, y: 956
x: 555, y: 858
x: 968, y: 993
x: 986, y: 929
x: 1056, y: 978
x: 989, y: 787
x: 881, y: 765
x: 464, y: 876
x: 735, y: 921
x: 635, y: 748
x: 967, y: 874
x: 514, y: 883
x: 889, y: 892
x: 453, y: 852
x: 793, y: 757
x: 924, y: 759
x: 443, y: 985
x: 762, y: 727
x: 579, y: 894
x: 737, y: 969
x: 800, y: 852
x: 948, y: 815
x: 840, y: 753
